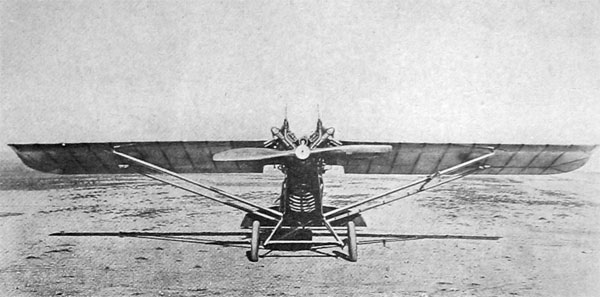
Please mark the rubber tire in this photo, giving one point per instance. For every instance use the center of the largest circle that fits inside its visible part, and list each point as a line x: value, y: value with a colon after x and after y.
x: 254, y: 241
x: 352, y: 244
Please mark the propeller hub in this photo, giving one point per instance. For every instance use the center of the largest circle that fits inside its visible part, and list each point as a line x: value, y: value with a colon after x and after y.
x: 302, y: 152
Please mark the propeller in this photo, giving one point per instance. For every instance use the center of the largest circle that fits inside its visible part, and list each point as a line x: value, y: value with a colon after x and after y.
x: 301, y: 152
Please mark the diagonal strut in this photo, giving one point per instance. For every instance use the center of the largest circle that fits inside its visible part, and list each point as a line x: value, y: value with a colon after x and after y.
x: 143, y: 163
x: 346, y: 211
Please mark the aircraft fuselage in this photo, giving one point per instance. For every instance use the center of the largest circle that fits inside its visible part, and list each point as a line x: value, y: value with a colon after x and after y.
x: 302, y: 191
x: 301, y: 199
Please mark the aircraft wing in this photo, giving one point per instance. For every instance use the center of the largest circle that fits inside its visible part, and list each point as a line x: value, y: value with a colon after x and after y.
x: 91, y: 158
x: 428, y: 158
x: 404, y: 158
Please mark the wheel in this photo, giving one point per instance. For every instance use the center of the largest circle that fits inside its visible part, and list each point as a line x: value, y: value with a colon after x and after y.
x: 352, y: 252
x: 254, y: 241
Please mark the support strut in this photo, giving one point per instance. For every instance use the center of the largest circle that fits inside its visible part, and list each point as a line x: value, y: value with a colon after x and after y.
x: 276, y: 215
x: 347, y: 211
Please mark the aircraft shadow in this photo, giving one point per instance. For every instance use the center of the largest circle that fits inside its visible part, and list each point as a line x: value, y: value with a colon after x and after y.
x: 188, y: 237
x: 317, y: 251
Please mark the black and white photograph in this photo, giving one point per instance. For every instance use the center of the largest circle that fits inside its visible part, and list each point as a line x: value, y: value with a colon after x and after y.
x: 299, y: 148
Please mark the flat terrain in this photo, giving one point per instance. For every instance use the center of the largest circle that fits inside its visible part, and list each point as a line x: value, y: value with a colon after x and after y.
x: 549, y: 245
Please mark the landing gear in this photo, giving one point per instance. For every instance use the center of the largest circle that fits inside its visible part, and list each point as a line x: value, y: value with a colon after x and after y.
x: 254, y: 241
x: 352, y: 245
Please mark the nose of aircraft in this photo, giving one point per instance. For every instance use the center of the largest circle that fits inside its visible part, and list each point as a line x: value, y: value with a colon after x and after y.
x: 302, y: 152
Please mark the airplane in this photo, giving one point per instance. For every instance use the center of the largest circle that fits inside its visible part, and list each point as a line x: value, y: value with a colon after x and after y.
x: 300, y: 211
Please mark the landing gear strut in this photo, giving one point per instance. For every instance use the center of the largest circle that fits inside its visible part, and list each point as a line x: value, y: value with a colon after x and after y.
x: 254, y: 241
x: 352, y: 245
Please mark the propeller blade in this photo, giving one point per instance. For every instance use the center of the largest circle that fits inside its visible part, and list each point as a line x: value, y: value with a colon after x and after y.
x: 302, y: 152
x: 250, y: 154
x: 355, y: 149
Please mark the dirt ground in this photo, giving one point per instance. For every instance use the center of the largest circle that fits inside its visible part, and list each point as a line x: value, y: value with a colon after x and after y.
x: 549, y: 245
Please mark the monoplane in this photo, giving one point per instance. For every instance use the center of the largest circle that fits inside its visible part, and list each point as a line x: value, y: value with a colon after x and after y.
x: 300, y: 209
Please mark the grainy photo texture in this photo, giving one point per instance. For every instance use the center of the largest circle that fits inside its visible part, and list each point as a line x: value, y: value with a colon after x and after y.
x: 298, y: 148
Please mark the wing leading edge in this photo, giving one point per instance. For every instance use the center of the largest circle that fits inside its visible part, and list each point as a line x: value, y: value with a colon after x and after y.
x: 97, y: 158
x: 427, y: 158
x: 404, y: 158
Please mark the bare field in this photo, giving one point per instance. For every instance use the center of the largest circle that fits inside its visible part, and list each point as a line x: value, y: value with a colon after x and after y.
x: 549, y: 246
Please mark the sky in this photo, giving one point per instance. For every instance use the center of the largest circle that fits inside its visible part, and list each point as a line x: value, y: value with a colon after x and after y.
x: 416, y: 71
